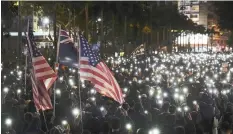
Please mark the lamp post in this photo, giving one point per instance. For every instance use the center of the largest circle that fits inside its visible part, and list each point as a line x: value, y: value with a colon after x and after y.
x: 45, y: 20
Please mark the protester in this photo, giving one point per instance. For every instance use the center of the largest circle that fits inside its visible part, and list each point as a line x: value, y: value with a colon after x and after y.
x: 164, y: 94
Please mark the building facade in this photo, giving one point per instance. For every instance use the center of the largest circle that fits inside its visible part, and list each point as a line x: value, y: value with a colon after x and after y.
x: 196, y: 10
x: 203, y: 13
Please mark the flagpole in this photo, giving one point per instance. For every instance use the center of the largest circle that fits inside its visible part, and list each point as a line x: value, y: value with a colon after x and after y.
x: 79, y: 82
x: 25, y: 74
x: 56, y: 69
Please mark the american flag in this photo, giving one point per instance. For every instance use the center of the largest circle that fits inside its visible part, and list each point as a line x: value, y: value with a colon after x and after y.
x: 42, y: 75
x: 96, y: 71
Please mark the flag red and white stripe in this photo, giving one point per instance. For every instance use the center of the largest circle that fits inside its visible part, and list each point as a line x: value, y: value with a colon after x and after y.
x: 43, y: 71
x: 98, y: 73
x: 42, y: 75
x: 102, y: 78
x: 41, y: 97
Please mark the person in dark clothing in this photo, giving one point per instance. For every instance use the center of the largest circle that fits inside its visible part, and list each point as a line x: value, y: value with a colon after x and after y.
x: 190, y: 128
x: 138, y: 118
x: 165, y: 112
x: 32, y: 124
x: 172, y: 109
x: 206, y: 112
x: 179, y: 130
x: 115, y: 126
x: 225, y: 128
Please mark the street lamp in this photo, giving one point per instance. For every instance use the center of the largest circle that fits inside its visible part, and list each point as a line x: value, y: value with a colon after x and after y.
x: 45, y: 20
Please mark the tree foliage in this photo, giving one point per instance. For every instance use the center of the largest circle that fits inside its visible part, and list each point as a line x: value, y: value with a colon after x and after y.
x: 224, y: 11
x: 123, y: 21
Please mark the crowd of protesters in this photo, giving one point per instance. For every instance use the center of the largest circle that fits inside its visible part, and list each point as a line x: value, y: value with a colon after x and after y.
x: 164, y: 94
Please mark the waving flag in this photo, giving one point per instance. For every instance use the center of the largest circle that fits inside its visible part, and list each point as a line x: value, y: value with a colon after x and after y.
x: 42, y: 75
x: 140, y: 50
x: 67, y: 52
x: 96, y: 47
x: 94, y: 70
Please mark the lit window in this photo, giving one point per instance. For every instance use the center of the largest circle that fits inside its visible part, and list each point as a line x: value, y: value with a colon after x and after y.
x: 193, y: 16
x: 195, y: 8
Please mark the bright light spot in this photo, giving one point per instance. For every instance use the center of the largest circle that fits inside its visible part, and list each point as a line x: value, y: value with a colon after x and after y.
x: 5, y: 89
x: 49, y: 59
x: 158, y: 96
x: 176, y: 95
x: 99, y: 19
x: 151, y: 92
x: 45, y: 20
x: 58, y: 91
x: 154, y: 131
x: 75, y: 112
x: 61, y: 78
x: 20, y: 73
x: 93, y: 91
x: 93, y: 98
x: 224, y: 81
x: 69, y: 59
x: 64, y: 122
x: 11, y: 72
x: 139, y: 81
x: 195, y: 102
x: 179, y: 109
x: 231, y: 69
x: 8, y: 122
x: 216, y: 76
x: 186, y: 108
x: 165, y: 94
x: 185, y: 90
x: 211, y: 91
x: 101, y: 108
x: 125, y: 89
x: 19, y: 91
x: 139, y: 96
x: 71, y: 82
x: 128, y: 126
x: 191, y: 80
x: 224, y: 92
x: 146, y: 112
x: 181, y: 97
x: 4, y: 76
x: 160, y: 102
